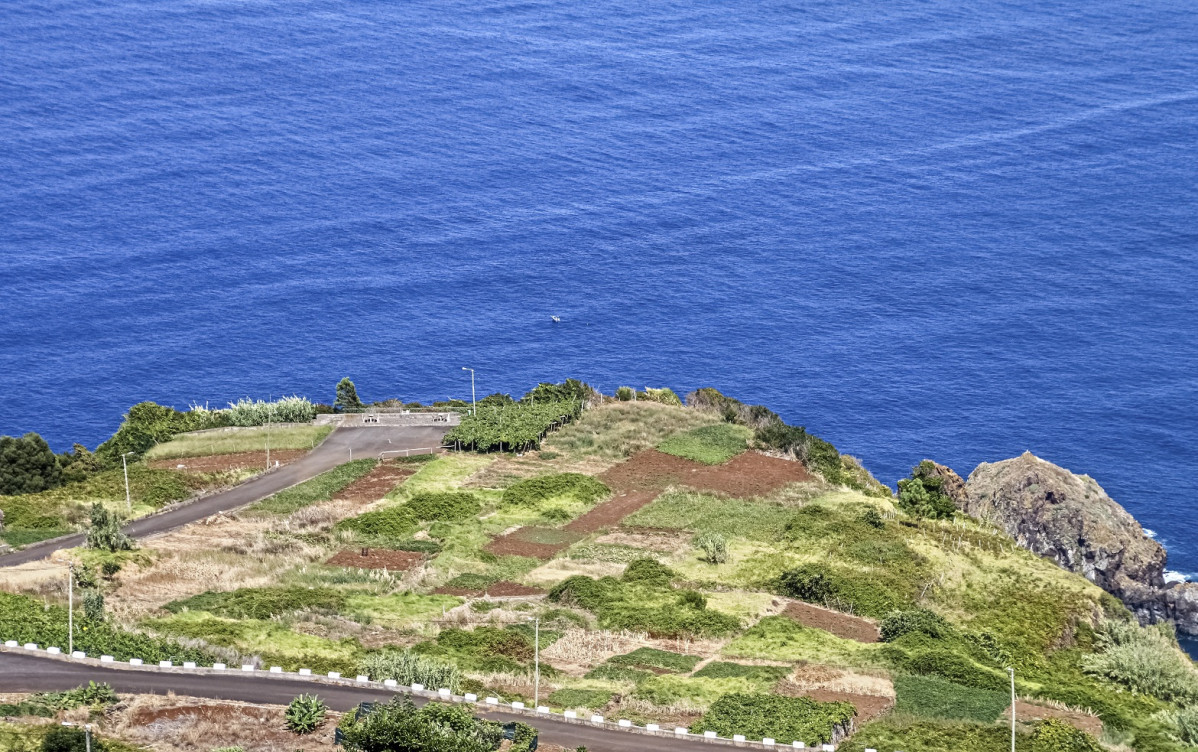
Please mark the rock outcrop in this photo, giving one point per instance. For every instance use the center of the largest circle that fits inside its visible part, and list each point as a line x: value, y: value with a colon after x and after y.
x: 1070, y: 519
x: 952, y: 485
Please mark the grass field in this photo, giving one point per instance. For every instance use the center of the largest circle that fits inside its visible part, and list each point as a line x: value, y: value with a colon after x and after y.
x: 234, y: 440
x: 711, y: 445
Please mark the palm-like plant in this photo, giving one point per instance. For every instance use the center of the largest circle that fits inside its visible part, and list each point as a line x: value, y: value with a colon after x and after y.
x: 305, y: 714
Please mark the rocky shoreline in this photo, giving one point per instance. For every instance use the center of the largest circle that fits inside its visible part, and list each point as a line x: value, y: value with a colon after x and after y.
x: 1070, y: 519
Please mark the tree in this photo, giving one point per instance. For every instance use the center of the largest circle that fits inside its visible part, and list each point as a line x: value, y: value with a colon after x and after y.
x: 105, y: 531
x: 400, y: 727
x: 27, y: 465
x: 69, y: 739
x: 347, y: 395
x: 922, y: 495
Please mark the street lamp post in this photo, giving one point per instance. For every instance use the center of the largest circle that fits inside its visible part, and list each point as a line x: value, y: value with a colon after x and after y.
x: 71, y: 607
x: 128, y: 498
x: 473, y: 400
x: 536, y: 691
x: 1011, y: 671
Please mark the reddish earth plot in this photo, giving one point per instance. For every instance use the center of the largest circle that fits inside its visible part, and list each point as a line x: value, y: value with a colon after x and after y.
x: 841, y: 625
x: 746, y: 475
x: 501, y: 589
x: 217, y: 463
x: 868, y: 707
x: 375, y: 484
x: 535, y: 542
x: 609, y: 513
x: 376, y: 558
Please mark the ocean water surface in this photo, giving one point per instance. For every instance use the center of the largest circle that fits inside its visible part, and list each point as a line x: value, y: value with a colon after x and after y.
x: 945, y: 230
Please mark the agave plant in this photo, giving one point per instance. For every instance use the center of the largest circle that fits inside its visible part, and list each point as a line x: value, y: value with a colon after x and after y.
x: 305, y: 714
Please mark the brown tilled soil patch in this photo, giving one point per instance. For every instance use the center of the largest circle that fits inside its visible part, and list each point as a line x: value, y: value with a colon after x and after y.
x: 218, y: 463
x: 746, y: 475
x: 376, y: 484
x: 376, y: 558
x: 609, y: 513
x: 535, y: 542
x: 501, y: 589
x: 1026, y: 711
x: 841, y: 625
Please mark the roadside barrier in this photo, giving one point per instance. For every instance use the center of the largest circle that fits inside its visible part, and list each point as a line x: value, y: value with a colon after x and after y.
x: 439, y: 695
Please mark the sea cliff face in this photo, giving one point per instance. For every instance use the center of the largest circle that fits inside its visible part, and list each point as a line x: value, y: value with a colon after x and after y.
x: 1070, y: 519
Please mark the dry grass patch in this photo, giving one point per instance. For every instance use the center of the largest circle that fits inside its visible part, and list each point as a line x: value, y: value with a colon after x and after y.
x: 552, y: 572
x: 583, y: 649
x: 616, y: 431
x: 812, y: 676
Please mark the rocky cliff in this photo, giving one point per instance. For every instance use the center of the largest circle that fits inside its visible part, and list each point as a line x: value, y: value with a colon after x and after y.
x: 1070, y: 519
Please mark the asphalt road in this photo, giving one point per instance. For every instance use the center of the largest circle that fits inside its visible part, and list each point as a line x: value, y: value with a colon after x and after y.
x: 21, y: 672
x: 333, y: 451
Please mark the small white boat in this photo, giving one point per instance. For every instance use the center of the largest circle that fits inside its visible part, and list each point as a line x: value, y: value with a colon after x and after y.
x: 556, y: 319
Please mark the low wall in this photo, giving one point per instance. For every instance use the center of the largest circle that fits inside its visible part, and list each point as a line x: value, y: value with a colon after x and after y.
x: 352, y: 420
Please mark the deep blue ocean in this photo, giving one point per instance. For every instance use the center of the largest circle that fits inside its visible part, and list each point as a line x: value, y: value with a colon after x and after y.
x: 939, y: 229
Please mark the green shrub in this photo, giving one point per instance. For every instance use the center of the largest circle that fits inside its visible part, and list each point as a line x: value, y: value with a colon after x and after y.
x: 592, y: 699
x: 807, y: 583
x: 649, y: 572
x: 399, y: 726
x: 692, y: 599
x: 347, y: 395
x: 652, y: 658
x: 389, y: 523
x: 1145, y: 660
x: 665, y: 396
x: 875, y: 593
x: 714, y: 547
x: 105, y: 532
x: 147, y: 424
x: 1180, y: 725
x: 261, y: 603
x: 922, y: 495
x: 533, y: 492
x: 409, y: 668
x: 935, y: 697
x: 786, y: 719
x: 711, y: 445
x: 872, y: 518
x: 70, y: 739
x: 641, y: 605
x: 921, y: 620
x: 448, y: 506
x: 27, y: 465
x: 916, y: 734
x: 945, y: 662
x: 1054, y: 735
x: 93, y: 606
x: 89, y: 695
x: 625, y: 394
x: 305, y: 714
x: 471, y: 581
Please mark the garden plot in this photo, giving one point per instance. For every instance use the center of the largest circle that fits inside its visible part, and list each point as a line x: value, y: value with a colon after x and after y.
x: 533, y: 542
x: 182, y: 724
x: 377, y: 483
x: 841, y: 625
x: 746, y: 475
x: 377, y: 558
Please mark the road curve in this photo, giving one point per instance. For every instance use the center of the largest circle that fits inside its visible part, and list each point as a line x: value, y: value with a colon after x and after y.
x: 333, y: 451
x: 20, y: 672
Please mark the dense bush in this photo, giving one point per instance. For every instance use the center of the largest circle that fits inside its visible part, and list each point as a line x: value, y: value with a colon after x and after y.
x: 93, y: 606
x: 943, y: 661
x: 400, y: 727
x: 513, y: 427
x: 652, y: 658
x: 936, y: 697
x: 1144, y: 659
x: 531, y: 493
x: 105, y: 532
x: 786, y: 719
x: 305, y: 714
x: 389, y: 523
x: 922, y: 494
x: 347, y: 395
x: 1180, y: 725
x: 898, y: 623
x: 261, y: 603
x: 27, y: 465
x: 568, y: 390
x: 807, y: 583
x: 448, y: 506
x: 147, y: 424
x: 665, y: 396
x: 649, y: 572
x: 714, y: 547
x: 246, y: 412
x: 86, y: 695
x: 625, y: 394
x: 1054, y: 735
x: 71, y: 739
x: 409, y: 668
x: 27, y: 620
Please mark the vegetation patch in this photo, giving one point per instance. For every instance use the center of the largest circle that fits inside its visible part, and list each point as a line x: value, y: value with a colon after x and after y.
x: 644, y: 605
x: 591, y: 699
x: 617, y: 431
x: 785, y: 719
x: 726, y: 670
x: 535, y: 493
x: 237, y: 440
x: 711, y: 445
x: 934, y: 697
x: 445, y: 506
x: 320, y: 488
x: 782, y: 639
x: 700, y: 512
x: 261, y: 603
x: 915, y: 734
x: 659, y: 660
x: 517, y: 426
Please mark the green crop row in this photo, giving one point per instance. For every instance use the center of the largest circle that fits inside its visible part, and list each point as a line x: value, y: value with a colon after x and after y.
x: 515, y: 426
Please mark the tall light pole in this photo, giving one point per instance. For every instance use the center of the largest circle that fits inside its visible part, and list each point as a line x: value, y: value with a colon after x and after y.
x: 1011, y: 671
x: 536, y: 691
x: 473, y: 400
x: 269, y: 413
x: 70, y: 607
x: 128, y: 498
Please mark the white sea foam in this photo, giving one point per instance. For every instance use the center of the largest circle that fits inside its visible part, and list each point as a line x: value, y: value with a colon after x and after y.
x: 1150, y: 533
x: 1171, y: 576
